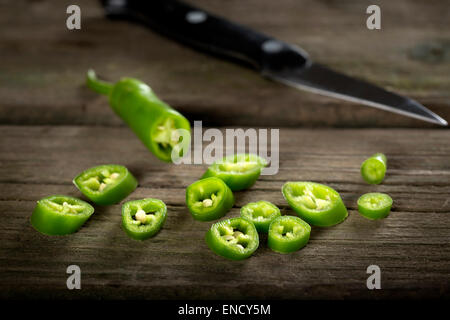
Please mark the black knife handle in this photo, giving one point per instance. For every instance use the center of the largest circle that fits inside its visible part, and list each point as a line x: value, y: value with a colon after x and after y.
x: 208, y: 32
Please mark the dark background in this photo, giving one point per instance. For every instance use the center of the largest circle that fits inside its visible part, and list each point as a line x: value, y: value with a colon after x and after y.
x: 52, y: 127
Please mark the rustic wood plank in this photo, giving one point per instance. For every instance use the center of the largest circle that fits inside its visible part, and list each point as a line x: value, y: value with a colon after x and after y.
x: 42, y: 68
x: 415, y: 157
x: 43, y: 64
x: 112, y: 264
x: 410, y: 245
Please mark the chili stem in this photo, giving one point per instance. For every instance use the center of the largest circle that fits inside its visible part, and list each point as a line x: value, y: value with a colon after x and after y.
x: 97, y: 85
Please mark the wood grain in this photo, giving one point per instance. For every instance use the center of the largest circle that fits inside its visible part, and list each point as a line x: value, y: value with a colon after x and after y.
x: 52, y: 127
x: 43, y: 64
x: 410, y: 245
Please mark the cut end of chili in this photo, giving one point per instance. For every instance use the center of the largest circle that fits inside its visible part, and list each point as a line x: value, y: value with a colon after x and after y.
x: 168, y: 138
x: 60, y: 215
x: 374, y: 168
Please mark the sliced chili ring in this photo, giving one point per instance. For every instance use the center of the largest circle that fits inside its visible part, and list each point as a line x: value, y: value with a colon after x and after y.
x: 209, y: 199
x: 142, y: 219
x: 374, y: 168
x: 235, y: 238
x: 238, y: 171
x: 60, y: 215
x: 375, y: 205
x: 288, y: 234
x: 106, y: 184
x: 261, y: 214
x: 317, y: 204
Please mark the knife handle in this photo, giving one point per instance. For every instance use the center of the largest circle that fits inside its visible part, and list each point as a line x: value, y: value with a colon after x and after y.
x: 208, y: 32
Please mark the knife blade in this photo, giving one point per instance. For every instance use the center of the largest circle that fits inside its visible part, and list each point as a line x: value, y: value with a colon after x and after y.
x: 275, y: 59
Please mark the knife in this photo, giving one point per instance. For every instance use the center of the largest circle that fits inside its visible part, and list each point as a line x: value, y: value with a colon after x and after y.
x: 273, y: 58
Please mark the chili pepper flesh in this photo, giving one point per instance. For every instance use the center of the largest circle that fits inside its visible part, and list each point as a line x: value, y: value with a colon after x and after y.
x: 209, y: 199
x: 261, y: 214
x: 238, y: 171
x: 235, y: 238
x: 106, y: 184
x: 142, y: 219
x: 60, y: 215
x: 374, y: 168
x: 375, y: 205
x: 164, y: 131
x: 288, y: 234
x: 317, y: 204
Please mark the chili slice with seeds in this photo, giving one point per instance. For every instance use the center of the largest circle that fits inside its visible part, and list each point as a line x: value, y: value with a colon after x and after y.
x: 317, y: 204
x: 375, y: 205
x: 261, y: 214
x: 142, y: 219
x: 288, y: 234
x: 60, y: 215
x: 106, y: 184
x: 209, y: 199
x: 235, y: 238
x: 237, y: 171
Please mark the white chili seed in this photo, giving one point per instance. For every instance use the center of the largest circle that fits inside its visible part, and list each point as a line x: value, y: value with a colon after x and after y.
x: 141, y: 216
x: 115, y: 175
x: 207, y: 203
x: 228, y: 237
x: 175, y: 136
x: 237, y: 234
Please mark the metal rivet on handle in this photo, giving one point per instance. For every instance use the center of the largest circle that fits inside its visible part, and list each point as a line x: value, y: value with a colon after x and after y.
x: 196, y: 17
x: 272, y: 46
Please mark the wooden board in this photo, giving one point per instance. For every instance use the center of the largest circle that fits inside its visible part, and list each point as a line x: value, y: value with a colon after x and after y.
x: 410, y: 246
x: 43, y: 64
x: 52, y: 127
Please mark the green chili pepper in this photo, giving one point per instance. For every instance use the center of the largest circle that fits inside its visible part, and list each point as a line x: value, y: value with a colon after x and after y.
x: 106, y: 184
x: 209, y: 199
x: 142, y: 219
x: 375, y: 205
x: 317, y: 204
x: 152, y: 120
x: 235, y: 238
x: 59, y: 215
x: 261, y: 214
x: 288, y: 234
x: 374, y: 168
x: 238, y: 171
